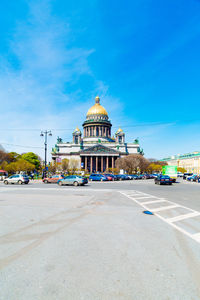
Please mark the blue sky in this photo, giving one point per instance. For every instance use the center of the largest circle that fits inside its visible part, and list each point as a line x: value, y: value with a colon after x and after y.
x: 141, y: 57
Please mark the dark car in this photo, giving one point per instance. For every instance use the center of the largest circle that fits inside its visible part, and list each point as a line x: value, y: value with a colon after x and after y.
x: 110, y: 176
x: 122, y: 177
x: 163, y: 179
x: 185, y: 175
x: 98, y: 177
x: 193, y: 178
x: 134, y: 177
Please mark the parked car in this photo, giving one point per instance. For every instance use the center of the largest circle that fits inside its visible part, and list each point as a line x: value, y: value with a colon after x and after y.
x: 98, y: 177
x: 17, y: 178
x: 192, y: 178
x: 73, y: 180
x: 134, y: 177
x: 185, y: 175
x: 121, y: 177
x: 179, y: 174
x: 163, y: 179
x: 110, y: 177
x: 53, y: 179
x: 154, y: 175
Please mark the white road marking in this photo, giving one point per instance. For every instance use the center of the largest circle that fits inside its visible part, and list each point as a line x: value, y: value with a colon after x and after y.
x: 163, y: 208
x: 156, y: 201
x: 143, y: 197
x: 183, y: 217
x: 196, y: 237
x: 171, y: 221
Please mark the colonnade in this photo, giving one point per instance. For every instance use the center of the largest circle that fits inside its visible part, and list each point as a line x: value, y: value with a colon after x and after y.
x: 101, y: 131
x: 98, y: 163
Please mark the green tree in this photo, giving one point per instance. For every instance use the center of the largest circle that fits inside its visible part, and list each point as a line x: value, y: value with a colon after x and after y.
x: 32, y: 158
x: 20, y: 165
x: 13, y: 156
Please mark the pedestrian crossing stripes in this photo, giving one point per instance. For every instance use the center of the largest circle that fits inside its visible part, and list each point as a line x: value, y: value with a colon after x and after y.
x: 181, y: 213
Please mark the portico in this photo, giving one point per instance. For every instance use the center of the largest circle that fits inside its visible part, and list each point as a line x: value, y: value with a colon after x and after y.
x: 98, y: 158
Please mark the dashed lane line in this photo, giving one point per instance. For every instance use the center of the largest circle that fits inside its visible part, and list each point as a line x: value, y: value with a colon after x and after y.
x: 171, y: 221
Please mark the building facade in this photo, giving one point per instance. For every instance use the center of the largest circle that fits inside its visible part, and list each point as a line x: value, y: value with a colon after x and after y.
x: 96, y: 150
x: 190, y: 161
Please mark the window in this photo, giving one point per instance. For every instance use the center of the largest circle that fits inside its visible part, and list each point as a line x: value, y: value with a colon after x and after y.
x: 76, y: 139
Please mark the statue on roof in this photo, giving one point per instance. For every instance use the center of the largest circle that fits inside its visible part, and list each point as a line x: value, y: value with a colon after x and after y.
x: 59, y: 140
x: 136, y: 141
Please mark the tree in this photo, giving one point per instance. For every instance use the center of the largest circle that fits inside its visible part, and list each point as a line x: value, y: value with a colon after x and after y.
x: 132, y: 163
x: 182, y: 170
x: 52, y: 168
x: 13, y: 156
x: 32, y: 158
x: 65, y: 164
x: 3, y: 156
x: 154, y: 167
x: 73, y: 163
x: 20, y: 165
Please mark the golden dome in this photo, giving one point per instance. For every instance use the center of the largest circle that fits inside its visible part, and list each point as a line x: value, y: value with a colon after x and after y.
x: 97, y: 109
x: 119, y: 130
x: 77, y: 129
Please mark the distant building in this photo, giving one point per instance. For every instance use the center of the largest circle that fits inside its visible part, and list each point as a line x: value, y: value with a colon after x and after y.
x: 189, y: 161
x: 97, y: 150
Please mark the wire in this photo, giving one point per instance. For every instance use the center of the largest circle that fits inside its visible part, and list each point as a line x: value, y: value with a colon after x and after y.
x: 21, y: 146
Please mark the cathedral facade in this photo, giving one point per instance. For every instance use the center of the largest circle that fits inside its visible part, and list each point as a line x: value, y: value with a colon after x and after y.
x: 96, y: 150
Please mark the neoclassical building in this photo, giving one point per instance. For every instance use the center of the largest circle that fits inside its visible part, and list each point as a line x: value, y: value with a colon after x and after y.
x: 96, y: 150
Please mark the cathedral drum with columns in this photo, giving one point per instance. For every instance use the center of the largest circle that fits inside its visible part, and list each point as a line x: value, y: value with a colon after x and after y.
x: 96, y: 151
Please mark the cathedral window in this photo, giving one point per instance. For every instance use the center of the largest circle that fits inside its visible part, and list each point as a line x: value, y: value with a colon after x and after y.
x: 76, y: 139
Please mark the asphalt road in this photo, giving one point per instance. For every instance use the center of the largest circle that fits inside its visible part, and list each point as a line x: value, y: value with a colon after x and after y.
x: 95, y: 242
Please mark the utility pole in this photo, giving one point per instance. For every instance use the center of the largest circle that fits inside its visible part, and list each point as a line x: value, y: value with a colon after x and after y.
x: 45, y: 134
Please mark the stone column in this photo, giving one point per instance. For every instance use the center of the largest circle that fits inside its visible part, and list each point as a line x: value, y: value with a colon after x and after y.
x: 112, y: 162
x: 102, y: 164
x: 96, y: 163
x: 91, y: 164
x: 85, y: 162
x: 107, y: 162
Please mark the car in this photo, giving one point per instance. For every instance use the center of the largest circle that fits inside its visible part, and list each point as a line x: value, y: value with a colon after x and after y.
x: 163, y: 179
x: 98, y: 177
x: 108, y: 177
x: 53, y: 179
x: 185, y: 175
x: 179, y: 174
x: 134, y: 177
x: 192, y: 178
x: 17, y: 178
x: 113, y: 177
x: 73, y: 180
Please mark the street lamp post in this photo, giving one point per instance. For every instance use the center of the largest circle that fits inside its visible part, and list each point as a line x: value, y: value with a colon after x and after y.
x: 45, y: 134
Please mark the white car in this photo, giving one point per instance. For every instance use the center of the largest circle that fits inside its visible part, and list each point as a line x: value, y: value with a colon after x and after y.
x: 17, y: 178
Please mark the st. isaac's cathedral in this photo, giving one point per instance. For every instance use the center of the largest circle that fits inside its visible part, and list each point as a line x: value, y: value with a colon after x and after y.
x: 96, y: 151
